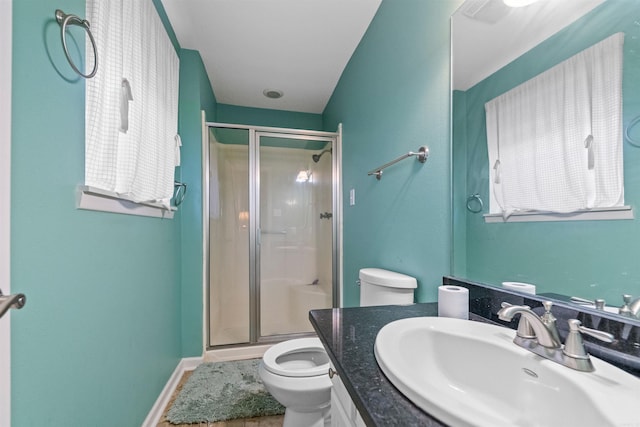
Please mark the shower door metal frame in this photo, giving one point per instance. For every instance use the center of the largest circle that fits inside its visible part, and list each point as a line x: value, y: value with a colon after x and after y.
x: 255, y: 132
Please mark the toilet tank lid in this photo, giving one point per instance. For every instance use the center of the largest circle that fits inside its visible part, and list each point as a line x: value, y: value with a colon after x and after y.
x: 391, y: 279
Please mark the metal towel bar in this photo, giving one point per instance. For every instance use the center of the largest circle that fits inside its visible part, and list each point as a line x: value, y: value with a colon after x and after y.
x: 421, y: 155
x: 282, y: 232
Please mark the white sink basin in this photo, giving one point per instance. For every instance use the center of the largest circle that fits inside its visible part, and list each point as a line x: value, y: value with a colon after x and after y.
x: 471, y: 374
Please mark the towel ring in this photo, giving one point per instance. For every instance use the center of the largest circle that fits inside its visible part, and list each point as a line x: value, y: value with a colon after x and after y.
x: 627, y: 135
x: 470, y: 201
x: 180, y: 192
x: 64, y: 20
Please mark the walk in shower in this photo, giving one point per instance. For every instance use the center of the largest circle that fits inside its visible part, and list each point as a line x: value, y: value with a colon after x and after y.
x: 272, y: 231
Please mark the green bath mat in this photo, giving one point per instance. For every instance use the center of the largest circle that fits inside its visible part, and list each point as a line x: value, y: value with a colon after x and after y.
x: 223, y: 391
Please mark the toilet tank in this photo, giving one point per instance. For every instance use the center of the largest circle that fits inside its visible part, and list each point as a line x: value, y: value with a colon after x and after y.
x: 383, y: 287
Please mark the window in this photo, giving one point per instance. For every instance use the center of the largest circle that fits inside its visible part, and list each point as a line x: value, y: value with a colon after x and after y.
x: 132, y: 104
x: 555, y: 141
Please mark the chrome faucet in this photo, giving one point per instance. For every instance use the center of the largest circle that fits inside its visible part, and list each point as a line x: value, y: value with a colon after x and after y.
x: 541, y: 333
x: 542, y: 339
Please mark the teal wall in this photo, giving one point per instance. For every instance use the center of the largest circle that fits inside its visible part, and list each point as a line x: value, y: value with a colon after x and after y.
x: 392, y: 98
x: 100, y: 334
x: 196, y: 95
x: 592, y: 259
x: 114, y: 301
x: 264, y: 117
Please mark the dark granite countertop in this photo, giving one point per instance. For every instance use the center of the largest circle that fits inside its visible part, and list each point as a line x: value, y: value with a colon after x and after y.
x: 349, y: 335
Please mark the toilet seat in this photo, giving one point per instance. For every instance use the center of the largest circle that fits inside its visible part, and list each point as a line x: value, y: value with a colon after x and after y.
x: 302, y: 357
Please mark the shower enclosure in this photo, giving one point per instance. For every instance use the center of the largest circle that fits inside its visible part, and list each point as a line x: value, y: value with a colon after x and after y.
x: 272, y: 202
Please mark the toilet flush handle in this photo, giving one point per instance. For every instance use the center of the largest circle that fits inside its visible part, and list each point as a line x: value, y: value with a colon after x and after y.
x: 332, y: 373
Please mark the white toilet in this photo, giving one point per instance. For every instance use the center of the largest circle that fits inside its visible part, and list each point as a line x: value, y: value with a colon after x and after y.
x: 384, y: 287
x: 295, y: 372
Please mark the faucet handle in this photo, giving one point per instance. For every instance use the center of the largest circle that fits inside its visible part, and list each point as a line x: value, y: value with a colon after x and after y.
x: 574, y: 345
x: 634, y: 308
x: 549, y: 320
x: 624, y: 309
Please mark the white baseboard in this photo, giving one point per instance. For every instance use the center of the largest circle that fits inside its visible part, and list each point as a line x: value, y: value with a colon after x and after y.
x: 186, y: 364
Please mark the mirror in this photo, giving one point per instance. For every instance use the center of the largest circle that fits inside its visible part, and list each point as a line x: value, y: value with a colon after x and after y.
x: 506, y: 47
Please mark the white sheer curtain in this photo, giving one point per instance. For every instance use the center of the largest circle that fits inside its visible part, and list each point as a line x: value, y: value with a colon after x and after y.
x: 131, y: 103
x: 555, y: 141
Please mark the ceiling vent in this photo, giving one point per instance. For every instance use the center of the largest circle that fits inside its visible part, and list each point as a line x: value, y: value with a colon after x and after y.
x: 272, y: 93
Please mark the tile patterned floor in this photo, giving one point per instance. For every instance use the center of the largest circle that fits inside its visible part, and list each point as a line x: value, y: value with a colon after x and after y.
x: 275, y: 421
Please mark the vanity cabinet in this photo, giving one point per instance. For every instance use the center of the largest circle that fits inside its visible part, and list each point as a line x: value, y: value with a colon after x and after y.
x: 343, y: 410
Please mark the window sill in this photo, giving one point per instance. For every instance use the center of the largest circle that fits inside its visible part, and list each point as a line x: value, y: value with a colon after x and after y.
x: 622, y: 212
x: 95, y: 199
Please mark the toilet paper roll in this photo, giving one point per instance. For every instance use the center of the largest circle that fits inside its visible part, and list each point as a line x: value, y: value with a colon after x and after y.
x: 527, y: 288
x: 453, y: 301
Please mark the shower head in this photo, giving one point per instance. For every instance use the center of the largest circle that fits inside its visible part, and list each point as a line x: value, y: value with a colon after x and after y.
x: 316, y: 157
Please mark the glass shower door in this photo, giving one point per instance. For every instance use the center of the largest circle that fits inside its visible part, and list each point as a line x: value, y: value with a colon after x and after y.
x: 229, y: 236
x: 295, y: 231
x: 270, y: 232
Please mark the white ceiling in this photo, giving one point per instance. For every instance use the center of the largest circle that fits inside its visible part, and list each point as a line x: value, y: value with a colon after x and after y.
x: 481, y: 47
x: 299, y: 47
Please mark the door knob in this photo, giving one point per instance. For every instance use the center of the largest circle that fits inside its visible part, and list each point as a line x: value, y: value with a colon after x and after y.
x: 11, y: 301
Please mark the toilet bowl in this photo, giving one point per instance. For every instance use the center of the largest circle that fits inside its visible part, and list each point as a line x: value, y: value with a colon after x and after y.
x: 295, y: 372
